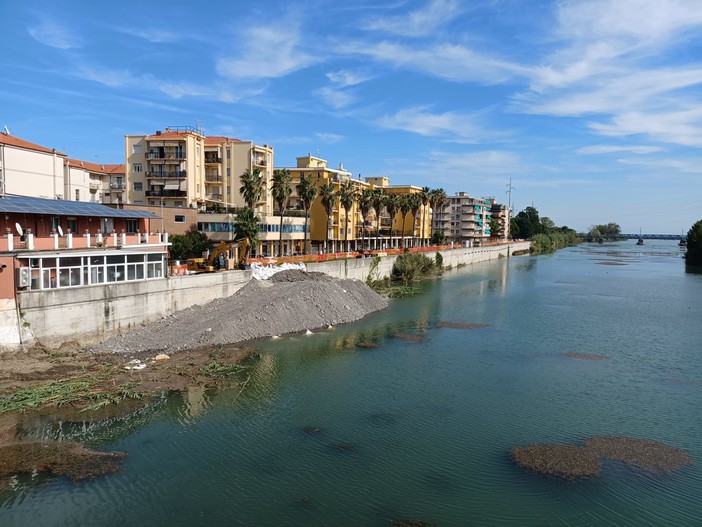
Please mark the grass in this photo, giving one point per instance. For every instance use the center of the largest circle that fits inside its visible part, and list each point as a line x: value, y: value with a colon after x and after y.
x: 220, y: 370
x: 91, y: 393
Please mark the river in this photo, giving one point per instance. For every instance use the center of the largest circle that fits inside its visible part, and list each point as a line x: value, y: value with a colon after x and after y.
x: 399, y: 417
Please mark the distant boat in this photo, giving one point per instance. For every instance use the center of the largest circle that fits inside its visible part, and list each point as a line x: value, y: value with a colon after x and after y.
x: 640, y: 240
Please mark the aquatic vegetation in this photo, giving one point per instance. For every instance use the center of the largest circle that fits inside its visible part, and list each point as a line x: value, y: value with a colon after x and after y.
x: 58, y: 459
x: 461, y: 325
x: 564, y: 461
x: 412, y: 338
x: 411, y: 523
x: 574, y: 462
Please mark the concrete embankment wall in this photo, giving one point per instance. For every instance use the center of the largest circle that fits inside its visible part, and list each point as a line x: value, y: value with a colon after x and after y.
x: 91, y: 314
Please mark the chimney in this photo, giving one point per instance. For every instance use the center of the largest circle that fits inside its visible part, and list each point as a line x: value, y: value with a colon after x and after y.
x: 158, y: 132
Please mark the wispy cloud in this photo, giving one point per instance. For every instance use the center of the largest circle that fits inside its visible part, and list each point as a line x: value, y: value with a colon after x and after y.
x: 611, y: 149
x: 445, y: 61
x: 344, y: 78
x: 335, y: 98
x: 107, y: 77
x: 420, y: 22
x: 329, y: 138
x: 457, y: 127
x: 52, y: 34
x: 154, y: 35
x: 679, y: 127
x: 269, y: 51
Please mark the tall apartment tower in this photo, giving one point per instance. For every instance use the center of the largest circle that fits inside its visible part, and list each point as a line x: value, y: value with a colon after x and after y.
x: 182, y: 167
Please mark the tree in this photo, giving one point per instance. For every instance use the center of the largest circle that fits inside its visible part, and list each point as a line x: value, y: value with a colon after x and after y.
x: 437, y: 198
x: 405, y: 206
x: 547, y: 224
x: 281, y: 190
x: 693, y: 256
x: 529, y: 223
x: 347, y: 197
x: 328, y: 195
x: 415, y: 204
x: 378, y: 202
x: 365, y: 204
x: 424, y: 199
x: 306, y: 191
x: 392, y: 204
x: 189, y: 245
x: 246, y: 227
x: 252, y: 184
x: 494, y: 227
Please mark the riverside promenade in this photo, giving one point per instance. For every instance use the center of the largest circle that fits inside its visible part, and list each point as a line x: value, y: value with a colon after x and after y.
x: 77, y: 317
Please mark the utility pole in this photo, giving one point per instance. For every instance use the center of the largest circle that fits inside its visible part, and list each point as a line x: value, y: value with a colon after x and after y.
x: 510, y: 188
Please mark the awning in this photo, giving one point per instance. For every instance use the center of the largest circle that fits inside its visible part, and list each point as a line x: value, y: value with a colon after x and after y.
x: 159, y: 182
x: 172, y: 185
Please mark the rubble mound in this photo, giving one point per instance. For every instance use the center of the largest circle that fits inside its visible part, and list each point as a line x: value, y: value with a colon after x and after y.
x: 295, y: 301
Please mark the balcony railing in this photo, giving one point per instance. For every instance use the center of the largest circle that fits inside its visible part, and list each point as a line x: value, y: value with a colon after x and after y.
x: 166, y: 193
x: 179, y: 174
x: 213, y: 159
x: 94, y: 186
x: 168, y: 154
x: 214, y: 197
x: 213, y: 179
x: 260, y: 161
x: 117, y: 186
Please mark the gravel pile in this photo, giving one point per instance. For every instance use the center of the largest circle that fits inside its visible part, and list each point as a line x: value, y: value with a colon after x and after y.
x: 294, y: 301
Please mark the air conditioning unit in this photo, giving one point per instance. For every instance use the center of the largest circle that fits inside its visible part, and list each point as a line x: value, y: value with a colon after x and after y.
x: 23, y: 277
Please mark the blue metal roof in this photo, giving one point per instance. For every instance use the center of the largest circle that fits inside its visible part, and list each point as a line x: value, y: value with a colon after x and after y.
x: 57, y: 207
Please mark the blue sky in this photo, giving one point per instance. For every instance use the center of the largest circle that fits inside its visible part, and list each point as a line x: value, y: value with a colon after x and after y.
x: 593, y: 108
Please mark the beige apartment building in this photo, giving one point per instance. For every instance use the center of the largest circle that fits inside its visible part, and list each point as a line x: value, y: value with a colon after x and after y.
x: 28, y: 169
x: 85, y: 181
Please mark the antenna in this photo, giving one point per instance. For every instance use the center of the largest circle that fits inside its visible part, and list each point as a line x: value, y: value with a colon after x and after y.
x: 510, y: 188
x: 7, y: 130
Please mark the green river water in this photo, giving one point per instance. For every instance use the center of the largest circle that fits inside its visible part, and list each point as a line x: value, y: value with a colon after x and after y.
x: 330, y: 433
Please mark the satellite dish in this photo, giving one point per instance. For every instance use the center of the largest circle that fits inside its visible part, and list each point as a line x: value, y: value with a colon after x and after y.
x: 19, y: 229
x: 60, y: 231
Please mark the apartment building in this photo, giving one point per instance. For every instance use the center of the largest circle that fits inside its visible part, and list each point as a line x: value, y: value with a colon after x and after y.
x: 28, y: 169
x: 93, y: 182
x: 339, y: 229
x: 464, y: 219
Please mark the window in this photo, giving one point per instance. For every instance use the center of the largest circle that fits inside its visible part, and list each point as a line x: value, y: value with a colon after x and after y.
x: 138, y: 186
x: 229, y: 191
x: 177, y: 203
x: 136, y: 167
x: 229, y: 154
x: 132, y: 226
x: 179, y: 218
x: 197, y: 152
x: 136, y: 149
x: 229, y: 172
x: 77, y: 194
x: 72, y: 224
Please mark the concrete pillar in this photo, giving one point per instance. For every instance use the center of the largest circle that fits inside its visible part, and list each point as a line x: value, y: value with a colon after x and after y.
x: 114, y: 239
x: 138, y: 237
x: 87, y: 239
x: 30, y: 240
x: 123, y: 238
x: 98, y: 238
x: 10, y: 242
x: 146, y: 237
x: 69, y: 240
x: 165, y: 237
x: 56, y: 238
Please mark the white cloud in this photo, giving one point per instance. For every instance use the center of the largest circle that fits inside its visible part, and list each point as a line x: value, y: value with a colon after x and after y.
x: 344, y: 78
x: 454, y: 126
x: 52, y: 34
x: 446, y: 61
x: 154, y: 35
x: 112, y: 78
x: 335, y: 98
x: 610, y: 149
x: 419, y: 22
x: 268, y: 52
x: 680, y: 127
x: 475, y: 164
x: 329, y: 137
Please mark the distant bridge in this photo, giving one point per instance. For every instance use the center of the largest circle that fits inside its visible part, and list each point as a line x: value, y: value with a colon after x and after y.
x: 655, y: 236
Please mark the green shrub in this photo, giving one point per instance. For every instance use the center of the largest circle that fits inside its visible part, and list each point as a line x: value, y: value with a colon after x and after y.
x: 412, y: 267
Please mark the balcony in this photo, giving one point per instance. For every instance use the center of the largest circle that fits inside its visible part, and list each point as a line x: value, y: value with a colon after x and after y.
x: 165, y: 154
x: 117, y: 186
x: 214, y: 197
x: 94, y: 186
x: 212, y: 160
x: 177, y: 174
x: 166, y: 193
x: 259, y: 161
x: 213, y: 179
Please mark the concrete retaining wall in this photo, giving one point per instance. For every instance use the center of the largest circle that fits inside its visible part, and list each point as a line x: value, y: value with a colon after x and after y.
x: 91, y: 314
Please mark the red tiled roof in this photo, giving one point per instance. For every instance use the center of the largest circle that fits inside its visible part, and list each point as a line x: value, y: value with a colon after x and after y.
x: 11, y: 140
x: 98, y: 168
x: 169, y: 134
x: 220, y: 139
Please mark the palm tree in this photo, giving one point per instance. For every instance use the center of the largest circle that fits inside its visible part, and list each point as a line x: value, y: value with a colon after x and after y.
x: 424, y: 198
x: 281, y: 191
x: 246, y: 226
x: 378, y: 201
x: 251, y: 186
x: 365, y: 204
x: 437, y: 198
x: 328, y: 195
x: 391, y: 203
x: 347, y: 197
x: 405, y: 205
x: 415, y: 204
x: 306, y: 191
